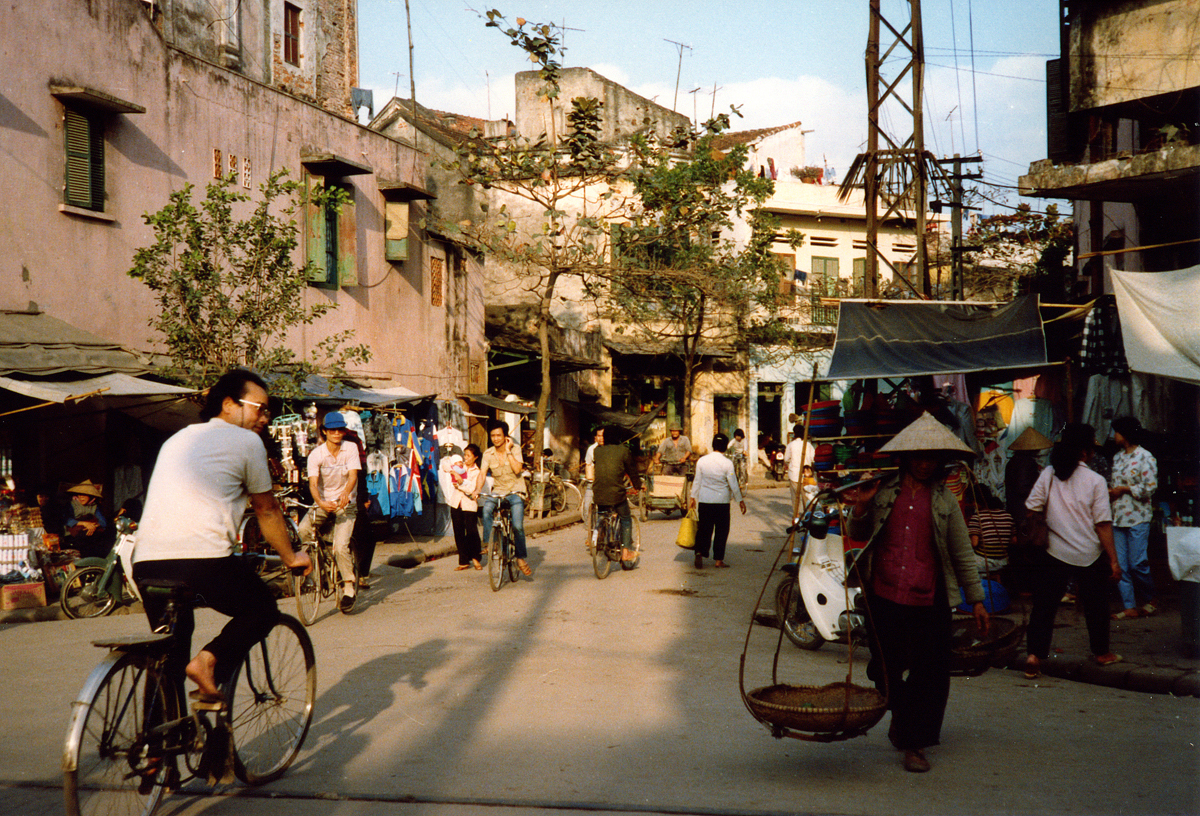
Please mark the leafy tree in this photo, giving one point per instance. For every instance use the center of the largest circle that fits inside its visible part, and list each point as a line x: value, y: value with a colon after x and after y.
x: 228, y: 287
x: 634, y: 222
x: 1018, y: 251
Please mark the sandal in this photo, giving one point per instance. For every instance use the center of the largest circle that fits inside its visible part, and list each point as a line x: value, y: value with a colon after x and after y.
x: 1149, y: 609
x: 463, y: 567
x: 1108, y: 659
x: 524, y: 567
x: 475, y: 563
x: 1125, y: 614
x: 1033, y: 668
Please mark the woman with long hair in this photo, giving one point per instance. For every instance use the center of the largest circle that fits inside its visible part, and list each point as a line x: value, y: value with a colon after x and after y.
x: 1074, y: 501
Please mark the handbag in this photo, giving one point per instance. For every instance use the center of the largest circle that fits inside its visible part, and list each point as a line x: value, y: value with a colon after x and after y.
x: 687, y: 530
x: 1036, y: 526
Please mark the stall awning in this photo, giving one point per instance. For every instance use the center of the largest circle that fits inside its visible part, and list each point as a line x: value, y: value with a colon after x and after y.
x: 319, y: 389
x: 498, y: 404
x: 33, y: 344
x: 1158, y: 321
x: 108, y: 385
x: 907, y: 338
x: 634, y: 423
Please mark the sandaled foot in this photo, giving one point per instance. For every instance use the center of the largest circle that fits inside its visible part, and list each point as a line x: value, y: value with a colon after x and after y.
x: 1033, y: 668
x: 720, y: 565
x: 1108, y: 659
x: 206, y: 702
x: 915, y: 762
x: 461, y: 567
x: 524, y: 567
x: 1125, y: 614
x: 628, y: 555
x: 475, y: 563
x: 699, y: 561
x: 1149, y: 609
x: 200, y: 670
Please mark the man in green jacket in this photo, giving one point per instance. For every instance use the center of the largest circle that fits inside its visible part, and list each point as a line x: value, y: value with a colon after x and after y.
x: 918, y: 554
x: 614, y: 464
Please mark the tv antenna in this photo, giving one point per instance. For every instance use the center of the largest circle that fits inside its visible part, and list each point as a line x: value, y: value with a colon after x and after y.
x: 679, y: 46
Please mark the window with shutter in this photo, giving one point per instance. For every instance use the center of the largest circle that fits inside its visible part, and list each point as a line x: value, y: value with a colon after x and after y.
x: 85, y: 160
x: 291, y: 34
x: 823, y: 283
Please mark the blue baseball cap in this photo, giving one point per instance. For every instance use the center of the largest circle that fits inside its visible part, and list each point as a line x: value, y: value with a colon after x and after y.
x: 332, y: 420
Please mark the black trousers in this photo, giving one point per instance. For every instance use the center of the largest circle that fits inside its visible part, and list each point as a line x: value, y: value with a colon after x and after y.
x: 1050, y: 580
x: 713, y: 526
x: 228, y: 585
x: 466, y: 534
x: 913, y: 640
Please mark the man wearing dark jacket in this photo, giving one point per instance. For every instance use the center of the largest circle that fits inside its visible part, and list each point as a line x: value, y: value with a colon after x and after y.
x: 613, y: 464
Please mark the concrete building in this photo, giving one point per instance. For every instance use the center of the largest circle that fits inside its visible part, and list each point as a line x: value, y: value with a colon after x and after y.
x: 123, y: 102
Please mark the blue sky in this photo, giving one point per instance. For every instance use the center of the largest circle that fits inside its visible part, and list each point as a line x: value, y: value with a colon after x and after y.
x: 780, y: 61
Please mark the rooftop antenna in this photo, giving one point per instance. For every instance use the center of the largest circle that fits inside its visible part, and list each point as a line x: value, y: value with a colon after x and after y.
x: 712, y: 113
x: 679, y: 46
x: 693, y: 92
x: 562, y: 45
x: 412, y: 81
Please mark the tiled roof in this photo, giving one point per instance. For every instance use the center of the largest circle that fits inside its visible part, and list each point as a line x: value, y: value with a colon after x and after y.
x: 741, y: 137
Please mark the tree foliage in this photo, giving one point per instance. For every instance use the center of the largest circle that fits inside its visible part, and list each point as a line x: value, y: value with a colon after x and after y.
x: 228, y: 288
x: 1020, y: 251
x: 647, y: 225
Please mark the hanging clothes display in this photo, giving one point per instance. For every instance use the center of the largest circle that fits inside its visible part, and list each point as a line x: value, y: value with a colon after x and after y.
x: 1103, y: 351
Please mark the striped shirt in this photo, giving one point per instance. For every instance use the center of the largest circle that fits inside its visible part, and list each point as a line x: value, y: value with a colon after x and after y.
x: 995, y: 530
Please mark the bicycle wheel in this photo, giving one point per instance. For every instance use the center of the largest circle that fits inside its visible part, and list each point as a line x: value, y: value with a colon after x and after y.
x: 330, y: 582
x: 82, y: 596
x: 510, y: 555
x: 271, y: 700
x: 600, y: 563
x: 496, y: 561
x: 307, y: 589
x: 637, y: 547
x: 573, y: 497
x: 108, y: 765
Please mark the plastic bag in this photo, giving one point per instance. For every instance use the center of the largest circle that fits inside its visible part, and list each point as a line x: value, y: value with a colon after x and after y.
x: 687, y: 530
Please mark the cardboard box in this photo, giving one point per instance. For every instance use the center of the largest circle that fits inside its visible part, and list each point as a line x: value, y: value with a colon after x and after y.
x: 22, y: 596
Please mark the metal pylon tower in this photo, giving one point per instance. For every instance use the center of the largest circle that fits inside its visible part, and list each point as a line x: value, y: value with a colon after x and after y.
x: 895, y: 171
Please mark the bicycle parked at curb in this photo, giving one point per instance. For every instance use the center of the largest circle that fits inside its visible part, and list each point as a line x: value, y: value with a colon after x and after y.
x: 502, y: 548
x: 605, y: 544
x: 96, y: 586
x: 129, y: 727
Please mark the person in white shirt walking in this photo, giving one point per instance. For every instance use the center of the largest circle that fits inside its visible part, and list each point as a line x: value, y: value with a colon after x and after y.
x: 796, y: 455
x: 714, y: 486
x: 333, y: 481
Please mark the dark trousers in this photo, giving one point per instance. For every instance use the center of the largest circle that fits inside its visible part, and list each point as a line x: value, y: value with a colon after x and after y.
x: 713, y: 526
x: 228, y: 585
x: 466, y: 534
x: 1050, y: 580
x: 364, y: 543
x: 916, y: 640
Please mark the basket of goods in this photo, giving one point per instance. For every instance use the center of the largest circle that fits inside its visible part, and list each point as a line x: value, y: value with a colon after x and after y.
x: 973, y: 652
x: 841, y: 709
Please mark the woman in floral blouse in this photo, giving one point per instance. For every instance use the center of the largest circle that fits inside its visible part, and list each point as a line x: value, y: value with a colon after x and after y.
x: 1131, y: 487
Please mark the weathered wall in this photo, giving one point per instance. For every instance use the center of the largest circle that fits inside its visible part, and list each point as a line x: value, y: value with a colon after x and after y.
x: 74, y: 264
x: 1121, y: 51
x: 624, y: 111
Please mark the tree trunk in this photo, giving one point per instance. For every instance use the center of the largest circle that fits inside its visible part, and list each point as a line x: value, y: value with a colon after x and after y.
x: 691, y: 353
x: 539, y: 441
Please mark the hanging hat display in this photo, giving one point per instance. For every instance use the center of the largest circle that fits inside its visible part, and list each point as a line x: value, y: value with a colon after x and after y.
x: 86, y: 488
x: 926, y: 434
x: 1031, y: 440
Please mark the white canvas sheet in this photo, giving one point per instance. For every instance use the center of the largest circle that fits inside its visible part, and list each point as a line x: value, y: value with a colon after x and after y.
x: 1158, y: 321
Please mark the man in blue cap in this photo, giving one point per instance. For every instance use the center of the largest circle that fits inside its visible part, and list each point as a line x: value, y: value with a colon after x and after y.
x: 333, y: 481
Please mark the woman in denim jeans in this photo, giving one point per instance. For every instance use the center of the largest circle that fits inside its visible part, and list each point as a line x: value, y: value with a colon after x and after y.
x: 1131, y: 488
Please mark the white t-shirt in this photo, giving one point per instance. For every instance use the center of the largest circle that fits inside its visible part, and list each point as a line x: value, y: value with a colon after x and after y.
x: 796, y: 455
x: 198, y: 492
x: 1073, y: 509
x: 333, y: 469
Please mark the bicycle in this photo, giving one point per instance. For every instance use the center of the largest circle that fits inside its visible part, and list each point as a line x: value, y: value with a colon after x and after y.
x: 325, y: 579
x: 128, y: 730
x: 605, y: 545
x: 97, y: 586
x: 739, y: 468
x: 557, y: 493
x: 502, y: 556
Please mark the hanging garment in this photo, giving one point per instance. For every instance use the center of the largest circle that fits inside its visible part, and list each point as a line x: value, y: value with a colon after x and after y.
x: 377, y: 482
x: 1103, y: 351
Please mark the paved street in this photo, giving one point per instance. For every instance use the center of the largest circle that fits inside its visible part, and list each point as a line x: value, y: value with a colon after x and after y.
x: 570, y: 694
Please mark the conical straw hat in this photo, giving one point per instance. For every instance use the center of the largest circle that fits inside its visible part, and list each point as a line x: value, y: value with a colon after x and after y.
x: 926, y: 434
x: 86, y: 488
x: 1031, y: 439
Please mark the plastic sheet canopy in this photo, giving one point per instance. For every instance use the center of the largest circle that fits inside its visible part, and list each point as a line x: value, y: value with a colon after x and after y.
x: 908, y: 338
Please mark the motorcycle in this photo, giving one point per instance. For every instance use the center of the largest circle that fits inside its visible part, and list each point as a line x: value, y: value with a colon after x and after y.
x: 778, y: 466
x: 97, y: 586
x: 813, y: 604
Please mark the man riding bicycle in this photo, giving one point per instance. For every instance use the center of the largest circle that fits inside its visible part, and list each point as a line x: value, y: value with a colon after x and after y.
x: 188, y: 533
x: 503, y: 461
x: 333, y: 480
x: 613, y: 464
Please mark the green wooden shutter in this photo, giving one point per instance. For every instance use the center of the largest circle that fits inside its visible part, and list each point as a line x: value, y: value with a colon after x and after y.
x: 85, y: 161
x: 347, y: 243
x: 314, y: 235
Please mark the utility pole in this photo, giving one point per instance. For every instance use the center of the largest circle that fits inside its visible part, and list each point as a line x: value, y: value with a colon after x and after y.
x: 895, y: 171
x: 956, y: 177
x: 412, y: 81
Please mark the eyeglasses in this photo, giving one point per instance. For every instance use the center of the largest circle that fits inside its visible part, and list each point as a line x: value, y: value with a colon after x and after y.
x: 261, y: 408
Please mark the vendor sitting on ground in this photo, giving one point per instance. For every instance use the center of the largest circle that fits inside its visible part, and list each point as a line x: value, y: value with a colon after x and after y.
x: 85, y: 528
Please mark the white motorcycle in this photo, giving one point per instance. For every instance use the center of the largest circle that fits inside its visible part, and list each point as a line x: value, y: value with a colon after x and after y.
x: 812, y: 602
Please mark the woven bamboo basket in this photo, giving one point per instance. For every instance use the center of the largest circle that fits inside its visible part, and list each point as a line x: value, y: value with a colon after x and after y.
x: 830, y: 709
x: 973, y: 653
